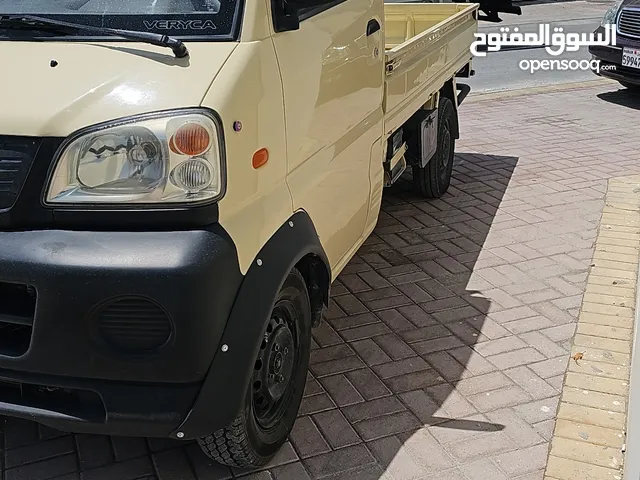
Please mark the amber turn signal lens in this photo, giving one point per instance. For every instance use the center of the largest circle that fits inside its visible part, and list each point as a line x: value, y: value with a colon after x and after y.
x: 260, y: 158
x: 190, y: 139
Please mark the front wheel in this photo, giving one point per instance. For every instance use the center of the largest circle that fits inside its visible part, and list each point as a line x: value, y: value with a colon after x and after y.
x: 277, y: 384
x: 434, y: 178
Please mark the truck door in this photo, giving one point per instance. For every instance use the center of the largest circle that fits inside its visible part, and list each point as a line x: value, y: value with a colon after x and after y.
x: 333, y: 76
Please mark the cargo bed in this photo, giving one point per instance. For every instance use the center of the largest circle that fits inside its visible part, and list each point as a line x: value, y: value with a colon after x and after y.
x: 426, y: 45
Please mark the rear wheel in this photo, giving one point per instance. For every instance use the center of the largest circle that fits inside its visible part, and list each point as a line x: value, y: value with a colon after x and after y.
x: 277, y: 384
x: 434, y: 178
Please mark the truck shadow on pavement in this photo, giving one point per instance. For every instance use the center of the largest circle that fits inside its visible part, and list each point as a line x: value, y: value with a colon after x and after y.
x: 393, y: 386
x: 392, y: 372
x: 623, y: 97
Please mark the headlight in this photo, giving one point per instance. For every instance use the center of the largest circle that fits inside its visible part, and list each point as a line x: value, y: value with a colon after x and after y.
x: 611, y: 14
x: 164, y: 159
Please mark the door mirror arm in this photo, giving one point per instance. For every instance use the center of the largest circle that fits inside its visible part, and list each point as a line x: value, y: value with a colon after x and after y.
x: 285, y: 16
x: 286, y: 13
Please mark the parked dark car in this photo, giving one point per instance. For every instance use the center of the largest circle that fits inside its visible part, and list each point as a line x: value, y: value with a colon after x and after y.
x: 621, y: 61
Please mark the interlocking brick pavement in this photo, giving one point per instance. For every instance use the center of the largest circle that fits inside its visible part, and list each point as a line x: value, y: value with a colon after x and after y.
x: 593, y: 447
x: 444, y: 350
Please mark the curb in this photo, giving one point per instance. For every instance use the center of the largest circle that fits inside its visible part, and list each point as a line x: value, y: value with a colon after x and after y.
x: 484, y: 96
x: 588, y: 441
x: 632, y: 444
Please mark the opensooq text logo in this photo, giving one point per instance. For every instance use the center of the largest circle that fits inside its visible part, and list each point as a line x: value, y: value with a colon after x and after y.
x: 570, y: 42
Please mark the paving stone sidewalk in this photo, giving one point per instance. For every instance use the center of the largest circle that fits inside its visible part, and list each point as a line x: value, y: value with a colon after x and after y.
x: 449, y: 334
x: 590, y: 431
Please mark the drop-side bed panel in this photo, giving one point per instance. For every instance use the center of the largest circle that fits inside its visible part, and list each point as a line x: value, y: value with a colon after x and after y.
x: 426, y: 44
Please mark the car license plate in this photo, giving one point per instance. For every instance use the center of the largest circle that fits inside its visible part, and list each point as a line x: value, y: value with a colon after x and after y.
x: 631, y: 57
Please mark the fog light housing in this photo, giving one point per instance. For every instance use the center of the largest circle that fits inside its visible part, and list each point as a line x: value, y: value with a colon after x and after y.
x: 193, y: 175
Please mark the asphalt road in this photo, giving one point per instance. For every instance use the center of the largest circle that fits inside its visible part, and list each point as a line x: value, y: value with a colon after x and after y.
x: 501, y: 70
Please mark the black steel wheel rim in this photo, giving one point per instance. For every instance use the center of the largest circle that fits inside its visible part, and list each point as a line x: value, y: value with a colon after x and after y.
x: 273, y: 379
x: 445, y: 148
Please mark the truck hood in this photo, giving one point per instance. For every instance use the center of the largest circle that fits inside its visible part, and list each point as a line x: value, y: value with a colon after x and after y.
x: 53, y: 89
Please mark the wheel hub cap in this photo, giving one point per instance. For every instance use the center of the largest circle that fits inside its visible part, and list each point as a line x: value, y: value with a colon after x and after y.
x: 280, y: 361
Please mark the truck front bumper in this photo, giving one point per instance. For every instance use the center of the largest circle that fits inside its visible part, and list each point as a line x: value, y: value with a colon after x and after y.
x: 113, y: 332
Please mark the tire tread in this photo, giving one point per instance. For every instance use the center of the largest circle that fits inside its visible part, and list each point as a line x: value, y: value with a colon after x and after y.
x: 231, y: 445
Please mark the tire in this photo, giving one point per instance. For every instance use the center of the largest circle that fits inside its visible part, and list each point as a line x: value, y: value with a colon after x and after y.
x: 434, y: 178
x: 256, y: 434
x: 630, y: 86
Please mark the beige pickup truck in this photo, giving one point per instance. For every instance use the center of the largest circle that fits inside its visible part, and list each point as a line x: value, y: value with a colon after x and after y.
x: 180, y: 183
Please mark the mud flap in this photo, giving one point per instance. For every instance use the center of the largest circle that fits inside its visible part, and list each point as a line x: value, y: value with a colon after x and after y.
x: 463, y: 90
x: 429, y: 136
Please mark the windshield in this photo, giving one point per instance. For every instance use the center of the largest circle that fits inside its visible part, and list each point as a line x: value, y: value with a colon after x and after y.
x: 179, y: 18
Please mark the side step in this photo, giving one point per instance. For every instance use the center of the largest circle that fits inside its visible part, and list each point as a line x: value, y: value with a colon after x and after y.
x: 395, y: 166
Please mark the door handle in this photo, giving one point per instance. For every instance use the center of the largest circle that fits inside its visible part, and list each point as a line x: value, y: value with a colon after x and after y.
x: 372, y: 26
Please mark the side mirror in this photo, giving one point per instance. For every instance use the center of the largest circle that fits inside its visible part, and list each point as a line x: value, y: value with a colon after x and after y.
x: 287, y: 13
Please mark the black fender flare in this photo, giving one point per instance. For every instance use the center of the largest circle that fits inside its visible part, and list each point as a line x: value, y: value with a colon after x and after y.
x: 225, y: 386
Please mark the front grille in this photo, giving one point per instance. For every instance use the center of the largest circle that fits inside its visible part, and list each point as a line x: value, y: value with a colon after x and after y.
x: 17, y: 309
x: 629, y: 22
x: 16, y: 157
